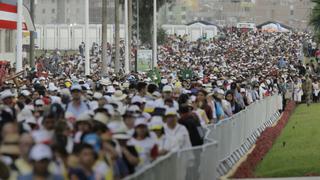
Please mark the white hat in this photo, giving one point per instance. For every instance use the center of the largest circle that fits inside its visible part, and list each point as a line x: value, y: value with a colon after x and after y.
x: 109, y: 108
x: 101, y: 117
x: 116, y: 126
x: 171, y: 111
x: 242, y: 90
x: 39, y: 152
x: 121, y: 135
x: 140, y: 121
x: 156, y: 94
x: 111, y: 89
x: 52, y: 87
x: 137, y: 99
x: 39, y: 102
x: 105, y: 82
x: 118, y: 96
x: 149, y: 107
x: 76, y: 87
x: 164, y: 81
x: 84, y: 117
x: 55, y: 99
x: 167, y: 88
x: 156, y: 123
x: 25, y: 93
x: 6, y: 94
x: 97, y: 95
x: 42, y: 78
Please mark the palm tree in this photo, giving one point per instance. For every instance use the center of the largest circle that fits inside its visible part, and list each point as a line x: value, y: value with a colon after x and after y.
x: 315, y: 18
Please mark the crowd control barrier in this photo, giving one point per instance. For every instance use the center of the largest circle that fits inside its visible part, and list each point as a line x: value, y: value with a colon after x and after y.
x: 226, y: 142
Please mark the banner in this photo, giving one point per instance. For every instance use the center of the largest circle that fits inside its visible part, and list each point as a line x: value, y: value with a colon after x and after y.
x: 144, y: 60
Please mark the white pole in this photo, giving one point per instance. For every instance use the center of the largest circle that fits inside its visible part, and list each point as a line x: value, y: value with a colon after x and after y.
x: 154, y: 33
x: 19, y: 37
x: 87, y: 56
x: 127, y: 51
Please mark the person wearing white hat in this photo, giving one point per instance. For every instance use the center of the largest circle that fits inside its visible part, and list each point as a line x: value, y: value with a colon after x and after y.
x: 77, y: 106
x: 167, y: 95
x: 177, y: 136
x: 40, y: 157
x: 145, y: 145
x: 8, y: 112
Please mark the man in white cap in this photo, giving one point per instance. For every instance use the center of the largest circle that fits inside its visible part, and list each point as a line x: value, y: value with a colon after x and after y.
x: 177, y: 136
x: 166, y: 95
x: 77, y: 106
x: 40, y: 157
x: 7, y: 111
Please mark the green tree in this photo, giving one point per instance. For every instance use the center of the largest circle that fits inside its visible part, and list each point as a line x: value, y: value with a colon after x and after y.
x: 162, y: 36
x: 315, y: 18
x: 146, y: 18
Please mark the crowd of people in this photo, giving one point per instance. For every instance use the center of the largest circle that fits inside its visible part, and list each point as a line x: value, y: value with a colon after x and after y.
x: 57, y: 123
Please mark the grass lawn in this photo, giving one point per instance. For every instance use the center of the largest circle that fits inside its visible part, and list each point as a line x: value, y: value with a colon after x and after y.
x: 297, y: 150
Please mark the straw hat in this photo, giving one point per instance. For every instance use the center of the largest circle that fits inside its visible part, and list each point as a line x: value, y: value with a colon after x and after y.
x: 118, y: 96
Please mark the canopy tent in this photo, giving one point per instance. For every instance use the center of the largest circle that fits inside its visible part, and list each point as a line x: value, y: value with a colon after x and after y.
x: 273, y: 26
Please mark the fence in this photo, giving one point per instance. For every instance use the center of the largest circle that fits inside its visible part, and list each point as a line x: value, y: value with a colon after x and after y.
x: 226, y: 143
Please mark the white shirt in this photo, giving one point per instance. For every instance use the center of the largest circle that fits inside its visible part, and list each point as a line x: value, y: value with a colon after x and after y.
x: 177, y: 138
x: 160, y: 103
x: 143, y: 147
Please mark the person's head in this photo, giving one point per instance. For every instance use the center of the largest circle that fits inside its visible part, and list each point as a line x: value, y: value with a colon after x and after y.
x: 9, y: 128
x: 229, y: 96
x: 171, y: 117
x: 152, y: 88
x: 128, y: 119
x: 201, y: 96
x: 141, y: 128
x: 7, y: 97
x: 76, y: 92
x: 40, y: 157
x: 48, y: 121
x: 167, y: 92
x: 86, y: 154
x: 25, y: 144
x: 142, y: 88
x: 62, y: 128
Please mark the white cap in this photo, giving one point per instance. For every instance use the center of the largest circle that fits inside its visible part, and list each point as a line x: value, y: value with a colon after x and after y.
x: 167, y: 88
x: 137, y: 99
x: 97, y: 95
x: 140, y: 121
x: 84, y: 117
x: 39, y: 102
x: 156, y: 123
x: 118, y: 96
x: 39, y: 152
x: 171, y: 111
x: 242, y: 90
x: 25, y: 93
x: 76, y: 87
x: 42, y: 78
x: 6, y: 94
x: 164, y: 81
x: 111, y: 89
x: 101, y: 117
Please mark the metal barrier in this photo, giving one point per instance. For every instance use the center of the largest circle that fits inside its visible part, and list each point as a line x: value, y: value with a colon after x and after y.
x: 226, y: 143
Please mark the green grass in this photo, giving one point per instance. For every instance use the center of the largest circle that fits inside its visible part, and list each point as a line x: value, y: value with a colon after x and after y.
x: 301, y: 153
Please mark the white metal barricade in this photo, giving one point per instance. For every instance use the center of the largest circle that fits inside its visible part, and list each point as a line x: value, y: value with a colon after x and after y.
x: 226, y: 142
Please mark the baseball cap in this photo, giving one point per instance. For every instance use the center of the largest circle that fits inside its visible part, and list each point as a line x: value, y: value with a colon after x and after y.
x: 140, y: 121
x: 167, y: 88
x: 171, y: 112
x: 76, y: 87
x: 40, y: 152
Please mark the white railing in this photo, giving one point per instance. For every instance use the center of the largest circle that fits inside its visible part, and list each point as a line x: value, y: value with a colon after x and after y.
x: 226, y: 143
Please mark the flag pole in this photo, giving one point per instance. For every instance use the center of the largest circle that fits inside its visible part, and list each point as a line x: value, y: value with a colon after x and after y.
x: 127, y: 50
x: 155, y: 46
x: 19, y: 37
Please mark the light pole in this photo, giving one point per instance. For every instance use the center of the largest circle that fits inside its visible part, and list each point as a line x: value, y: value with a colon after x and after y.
x: 87, y: 58
x: 126, y: 23
x: 19, y: 37
x: 154, y: 33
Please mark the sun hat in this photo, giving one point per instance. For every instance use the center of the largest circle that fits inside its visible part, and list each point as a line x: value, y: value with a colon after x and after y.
x: 167, y: 88
x: 118, y: 96
x: 84, y: 117
x: 6, y: 94
x: 101, y: 117
x: 76, y: 87
x: 39, y: 152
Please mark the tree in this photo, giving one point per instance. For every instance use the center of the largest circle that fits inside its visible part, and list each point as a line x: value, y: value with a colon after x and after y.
x: 146, y: 17
x: 162, y: 36
x: 315, y: 18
